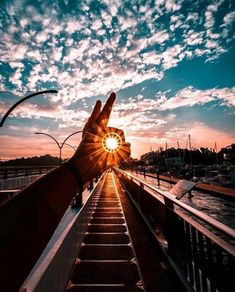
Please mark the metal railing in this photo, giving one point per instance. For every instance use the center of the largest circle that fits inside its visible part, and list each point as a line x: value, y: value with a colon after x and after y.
x: 53, y: 268
x: 7, y: 172
x: 202, y: 258
x: 18, y: 182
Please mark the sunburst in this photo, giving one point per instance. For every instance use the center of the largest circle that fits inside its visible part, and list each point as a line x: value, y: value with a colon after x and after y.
x: 111, y: 142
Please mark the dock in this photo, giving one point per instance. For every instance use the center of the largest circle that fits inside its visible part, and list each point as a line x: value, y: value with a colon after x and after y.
x: 125, y: 236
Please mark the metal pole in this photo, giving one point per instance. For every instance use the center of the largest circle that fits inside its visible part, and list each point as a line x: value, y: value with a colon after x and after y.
x: 63, y: 143
x: 74, y: 147
x: 57, y: 143
x: 60, y: 146
x: 23, y: 99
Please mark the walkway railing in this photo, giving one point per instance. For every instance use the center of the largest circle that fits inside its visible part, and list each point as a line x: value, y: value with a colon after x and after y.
x: 18, y: 182
x: 53, y: 268
x: 200, y: 248
x: 7, y: 172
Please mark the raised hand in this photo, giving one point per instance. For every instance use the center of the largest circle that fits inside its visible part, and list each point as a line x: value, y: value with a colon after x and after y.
x: 90, y: 157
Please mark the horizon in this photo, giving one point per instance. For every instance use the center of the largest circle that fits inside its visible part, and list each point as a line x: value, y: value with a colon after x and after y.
x: 171, y: 64
x: 150, y: 150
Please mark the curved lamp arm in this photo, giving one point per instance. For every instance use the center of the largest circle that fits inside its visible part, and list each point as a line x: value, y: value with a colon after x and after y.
x: 22, y: 100
x: 62, y: 144
x: 74, y: 148
x: 50, y: 137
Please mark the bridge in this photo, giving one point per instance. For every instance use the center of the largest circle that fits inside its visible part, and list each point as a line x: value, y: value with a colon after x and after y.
x: 123, y: 235
x: 15, y: 178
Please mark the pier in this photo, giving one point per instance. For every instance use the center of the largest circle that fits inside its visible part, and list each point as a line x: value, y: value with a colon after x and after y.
x: 125, y: 236
x: 117, y: 157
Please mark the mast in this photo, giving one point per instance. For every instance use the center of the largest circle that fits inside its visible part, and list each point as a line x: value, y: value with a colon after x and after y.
x: 190, y: 151
x: 166, y: 156
x: 178, y: 145
x: 186, y: 146
x: 216, y: 154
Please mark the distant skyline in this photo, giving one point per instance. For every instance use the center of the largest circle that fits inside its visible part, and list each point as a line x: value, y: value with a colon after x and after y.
x: 171, y: 63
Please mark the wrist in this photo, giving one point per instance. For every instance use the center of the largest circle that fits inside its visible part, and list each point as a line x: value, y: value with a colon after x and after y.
x: 80, y: 168
x: 76, y: 174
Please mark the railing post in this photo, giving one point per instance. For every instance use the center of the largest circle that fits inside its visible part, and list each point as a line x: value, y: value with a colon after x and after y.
x: 169, y: 207
x: 5, y: 174
x: 139, y: 193
x: 91, y: 186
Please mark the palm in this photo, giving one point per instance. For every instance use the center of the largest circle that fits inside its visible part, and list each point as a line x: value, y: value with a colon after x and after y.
x: 91, y: 145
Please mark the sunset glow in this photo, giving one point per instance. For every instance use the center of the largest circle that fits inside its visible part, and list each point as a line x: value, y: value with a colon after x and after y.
x: 111, y: 142
x: 171, y: 64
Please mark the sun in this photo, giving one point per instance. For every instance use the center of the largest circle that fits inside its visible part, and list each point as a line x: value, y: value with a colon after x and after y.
x: 111, y: 142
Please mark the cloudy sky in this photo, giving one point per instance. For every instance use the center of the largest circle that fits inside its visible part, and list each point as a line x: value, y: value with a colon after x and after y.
x: 172, y: 64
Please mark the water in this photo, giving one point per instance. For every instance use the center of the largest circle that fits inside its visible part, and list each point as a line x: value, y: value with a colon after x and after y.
x: 221, y: 209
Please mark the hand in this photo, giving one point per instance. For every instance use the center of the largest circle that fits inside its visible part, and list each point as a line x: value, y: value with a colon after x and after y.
x: 90, y: 157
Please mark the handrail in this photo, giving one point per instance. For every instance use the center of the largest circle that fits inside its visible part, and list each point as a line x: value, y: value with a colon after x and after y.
x: 10, y: 167
x: 211, y: 221
x: 49, y: 263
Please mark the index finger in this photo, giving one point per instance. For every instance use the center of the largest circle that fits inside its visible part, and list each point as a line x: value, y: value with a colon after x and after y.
x: 103, y: 117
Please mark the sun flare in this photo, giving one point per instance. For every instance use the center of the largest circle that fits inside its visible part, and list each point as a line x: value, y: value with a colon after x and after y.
x: 111, y: 142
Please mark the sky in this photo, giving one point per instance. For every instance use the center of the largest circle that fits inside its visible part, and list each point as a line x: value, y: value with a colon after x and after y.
x: 171, y: 63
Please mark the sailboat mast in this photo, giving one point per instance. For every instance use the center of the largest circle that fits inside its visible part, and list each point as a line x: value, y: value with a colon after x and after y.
x: 178, y: 145
x: 190, y: 151
x: 216, y: 153
x: 166, y: 159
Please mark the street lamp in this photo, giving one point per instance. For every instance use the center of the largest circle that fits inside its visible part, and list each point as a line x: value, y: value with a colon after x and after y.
x: 71, y: 146
x: 60, y: 146
x: 23, y: 99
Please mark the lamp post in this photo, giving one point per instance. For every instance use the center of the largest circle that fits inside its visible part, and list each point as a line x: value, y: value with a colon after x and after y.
x: 23, y: 99
x: 60, y: 146
x: 74, y: 147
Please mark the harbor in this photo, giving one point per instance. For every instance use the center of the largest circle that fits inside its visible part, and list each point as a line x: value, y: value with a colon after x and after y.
x: 117, y: 146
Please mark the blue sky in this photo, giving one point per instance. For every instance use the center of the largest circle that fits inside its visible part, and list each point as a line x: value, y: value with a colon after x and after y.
x: 172, y: 64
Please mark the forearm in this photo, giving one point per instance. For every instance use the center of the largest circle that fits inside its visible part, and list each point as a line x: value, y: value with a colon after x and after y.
x: 55, y: 189
x: 28, y: 221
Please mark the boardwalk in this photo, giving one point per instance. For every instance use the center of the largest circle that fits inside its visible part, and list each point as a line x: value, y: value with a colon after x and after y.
x: 123, y: 238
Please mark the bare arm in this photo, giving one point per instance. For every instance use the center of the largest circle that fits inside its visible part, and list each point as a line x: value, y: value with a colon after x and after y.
x: 56, y: 189
x: 28, y: 221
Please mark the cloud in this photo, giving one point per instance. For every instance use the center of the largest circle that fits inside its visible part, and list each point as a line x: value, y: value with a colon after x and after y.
x: 33, y: 145
x: 194, y: 38
x: 229, y: 18
x: 209, y: 14
x: 202, y: 135
x: 190, y: 96
x: 159, y: 37
x: 95, y: 60
x: 89, y: 52
x: 16, y: 79
x: 172, y: 5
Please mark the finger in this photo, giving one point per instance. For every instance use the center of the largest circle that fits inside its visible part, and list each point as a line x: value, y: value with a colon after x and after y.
x: 105, y: 113
x: 95, y: 113
x: 96, y: 110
